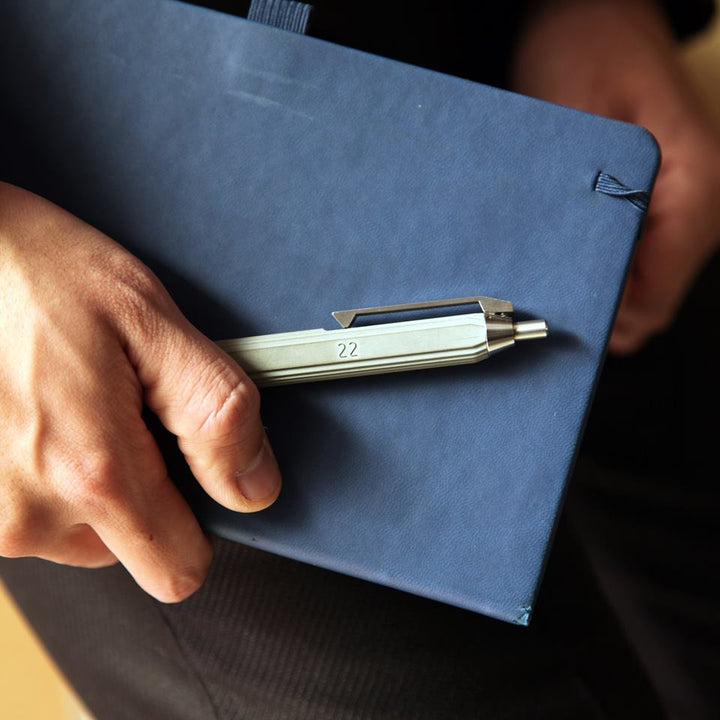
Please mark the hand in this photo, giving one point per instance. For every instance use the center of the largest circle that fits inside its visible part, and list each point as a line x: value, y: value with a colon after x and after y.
x: 87, y: 334
x: 617, y: 58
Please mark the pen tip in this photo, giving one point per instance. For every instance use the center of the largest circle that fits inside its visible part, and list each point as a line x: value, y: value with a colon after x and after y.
x: 530, y: 329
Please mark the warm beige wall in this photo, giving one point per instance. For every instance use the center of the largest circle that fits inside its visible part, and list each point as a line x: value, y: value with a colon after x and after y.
x: 703, y: 60
x: 30, y: 686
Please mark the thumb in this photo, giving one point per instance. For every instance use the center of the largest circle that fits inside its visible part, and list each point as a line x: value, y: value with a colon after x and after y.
x: 202, y: 395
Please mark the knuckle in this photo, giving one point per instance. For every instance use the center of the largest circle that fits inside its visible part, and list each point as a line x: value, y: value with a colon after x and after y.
x: 91, y: 479
x: 230, y: 401
x: 139, y: 298
x: 242, y: 401
x: 135, y: 278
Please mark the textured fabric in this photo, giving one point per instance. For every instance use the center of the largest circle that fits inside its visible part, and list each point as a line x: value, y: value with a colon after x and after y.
x: 647, y: 504
x: 110, y: 640
x: 267, y: 638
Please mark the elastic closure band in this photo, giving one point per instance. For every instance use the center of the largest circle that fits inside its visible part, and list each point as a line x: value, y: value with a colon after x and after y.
x: 285, y: 14
x: 608, y: 185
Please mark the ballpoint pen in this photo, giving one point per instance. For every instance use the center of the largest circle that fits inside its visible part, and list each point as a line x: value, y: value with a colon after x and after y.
x: 319, y: 354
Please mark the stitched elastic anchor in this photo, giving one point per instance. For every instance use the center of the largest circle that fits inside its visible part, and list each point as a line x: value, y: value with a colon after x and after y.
x: 608, y: 185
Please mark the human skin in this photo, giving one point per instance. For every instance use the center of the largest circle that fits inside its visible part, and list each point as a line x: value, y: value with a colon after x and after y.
x: 87, y: 335
x: 618, y: 58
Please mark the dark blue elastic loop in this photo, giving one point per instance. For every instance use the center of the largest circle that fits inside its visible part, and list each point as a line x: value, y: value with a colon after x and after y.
x: 609, y: 185
x: 285, y: 14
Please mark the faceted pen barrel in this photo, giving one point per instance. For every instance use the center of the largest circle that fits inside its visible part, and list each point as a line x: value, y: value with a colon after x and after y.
x: 310, y: 355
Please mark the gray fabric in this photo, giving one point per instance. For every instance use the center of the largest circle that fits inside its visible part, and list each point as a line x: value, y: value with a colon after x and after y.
x: 268, y: 638
x: 111, y: 641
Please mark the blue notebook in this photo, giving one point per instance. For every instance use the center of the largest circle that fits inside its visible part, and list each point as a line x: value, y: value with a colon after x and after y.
x: 270, y: 178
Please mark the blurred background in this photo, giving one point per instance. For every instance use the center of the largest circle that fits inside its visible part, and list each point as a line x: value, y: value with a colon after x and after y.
x: 31, y: 688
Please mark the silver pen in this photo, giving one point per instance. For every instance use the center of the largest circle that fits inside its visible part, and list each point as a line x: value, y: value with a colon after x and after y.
x: 311, y: 355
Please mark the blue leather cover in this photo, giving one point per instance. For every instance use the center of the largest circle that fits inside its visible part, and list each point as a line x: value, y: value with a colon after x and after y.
x: 270, y: 178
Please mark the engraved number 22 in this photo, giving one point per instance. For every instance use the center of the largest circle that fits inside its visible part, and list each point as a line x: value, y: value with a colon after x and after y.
x: 347, y: 350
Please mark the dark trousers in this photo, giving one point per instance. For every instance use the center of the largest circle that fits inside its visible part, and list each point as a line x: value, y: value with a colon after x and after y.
x: 268, y: 638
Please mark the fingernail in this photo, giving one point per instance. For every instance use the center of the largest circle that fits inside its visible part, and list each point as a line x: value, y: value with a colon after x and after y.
x: 262, y: 477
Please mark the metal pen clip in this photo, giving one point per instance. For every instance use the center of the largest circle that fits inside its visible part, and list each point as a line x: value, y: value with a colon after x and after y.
x: 310, y: 355
x: 488, y: 305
